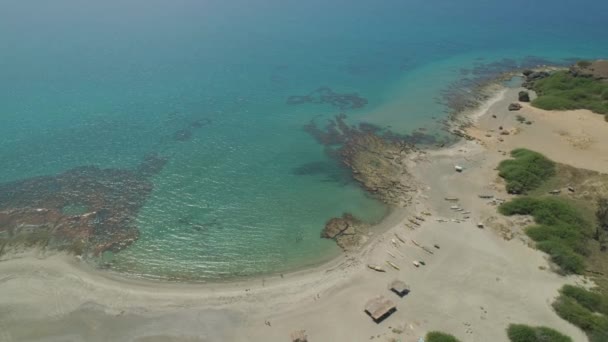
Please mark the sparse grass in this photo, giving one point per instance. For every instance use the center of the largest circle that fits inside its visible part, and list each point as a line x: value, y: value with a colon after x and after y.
x: 436, y: 336
x: 525, y: 333
x: 562, y: 91
x: 526, y: 171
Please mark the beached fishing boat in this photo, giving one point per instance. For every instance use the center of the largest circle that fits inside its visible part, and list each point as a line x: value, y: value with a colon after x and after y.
x: 376, y: 268
x: 393, y: 265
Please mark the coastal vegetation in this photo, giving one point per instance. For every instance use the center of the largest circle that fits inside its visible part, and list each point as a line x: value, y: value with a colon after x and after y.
x: 564, y: 90
x: 525, y: 333
x: 586, y: 309
x: 572, y: 229
x: 526, y: 171
x: 560, y: 230
x: 437, y: 336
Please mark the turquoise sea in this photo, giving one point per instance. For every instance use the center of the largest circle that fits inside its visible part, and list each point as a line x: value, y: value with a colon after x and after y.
x: 246, y: 191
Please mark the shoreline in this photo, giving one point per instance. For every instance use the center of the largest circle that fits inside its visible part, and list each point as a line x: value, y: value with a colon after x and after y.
x: 472, y: 261
x: 63, y: 261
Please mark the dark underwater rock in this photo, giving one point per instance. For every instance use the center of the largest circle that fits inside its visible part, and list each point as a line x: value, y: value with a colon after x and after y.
x: 325, y: 95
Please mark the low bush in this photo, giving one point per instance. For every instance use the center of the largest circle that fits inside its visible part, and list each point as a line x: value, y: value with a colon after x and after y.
x: 546, y: 211
x: 595, y: 324
x: 526, y: 171
x: 561, y: 231
x: 525, y: 333
x: 436, y: 336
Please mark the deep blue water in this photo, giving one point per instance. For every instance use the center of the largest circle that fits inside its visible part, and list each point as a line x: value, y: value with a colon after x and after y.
x: 105, y: 83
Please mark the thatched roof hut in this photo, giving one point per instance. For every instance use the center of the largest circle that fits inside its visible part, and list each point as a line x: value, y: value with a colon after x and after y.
x: 379, y: 308
x: 399, y: 287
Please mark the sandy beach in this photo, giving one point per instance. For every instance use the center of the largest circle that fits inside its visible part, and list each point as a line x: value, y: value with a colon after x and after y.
x: 473, y: 286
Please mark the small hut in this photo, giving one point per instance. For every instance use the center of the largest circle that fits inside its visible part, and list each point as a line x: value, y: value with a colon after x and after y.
x: 379, y: 308
x: 399, y: 287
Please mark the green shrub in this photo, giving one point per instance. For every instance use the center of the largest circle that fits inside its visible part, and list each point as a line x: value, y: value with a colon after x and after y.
x: 563, y: 256
x: 524, y: 333
x: 590, y: 300
x: 526, y: 171
x: 436, y: 336
x: 594, y: 324
x: 546, y: 211
x: 561, y: 231
x: 563, y: 91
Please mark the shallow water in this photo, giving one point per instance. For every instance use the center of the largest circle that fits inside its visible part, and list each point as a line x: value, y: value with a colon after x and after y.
x: 205, y: 83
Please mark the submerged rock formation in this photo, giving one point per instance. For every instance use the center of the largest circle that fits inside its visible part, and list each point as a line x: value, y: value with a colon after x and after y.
x: 325, y: 95
x: 87, y: 210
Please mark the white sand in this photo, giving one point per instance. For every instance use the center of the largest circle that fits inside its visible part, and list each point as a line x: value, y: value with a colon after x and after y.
x: 474, y: 286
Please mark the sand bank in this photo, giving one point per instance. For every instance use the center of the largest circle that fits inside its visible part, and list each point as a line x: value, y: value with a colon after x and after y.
x: 473, y: 286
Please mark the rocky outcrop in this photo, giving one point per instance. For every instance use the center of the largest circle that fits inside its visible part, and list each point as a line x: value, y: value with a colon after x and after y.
x: 514, y: 106
x: 524, y: 96
x: 348, y: 231
x: 374, y: 156
x: 378, y: 165
x: 533, y: 77
x: 376, y: 159
x: 596, y: 69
